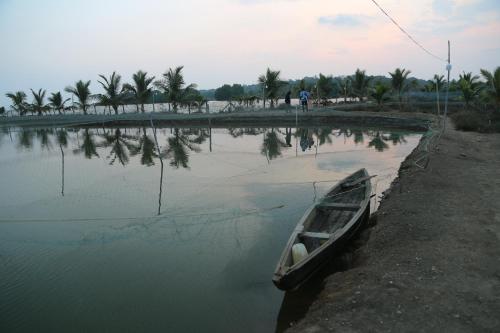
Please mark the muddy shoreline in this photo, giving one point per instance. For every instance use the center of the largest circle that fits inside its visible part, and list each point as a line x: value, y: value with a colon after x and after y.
x: 431, y: 261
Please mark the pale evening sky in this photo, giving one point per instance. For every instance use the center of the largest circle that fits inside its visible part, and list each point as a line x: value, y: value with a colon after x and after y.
x: 53, y: 43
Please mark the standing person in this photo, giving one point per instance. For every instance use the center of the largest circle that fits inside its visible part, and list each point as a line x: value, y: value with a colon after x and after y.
x: 304, y: 100
x: 288, y: 101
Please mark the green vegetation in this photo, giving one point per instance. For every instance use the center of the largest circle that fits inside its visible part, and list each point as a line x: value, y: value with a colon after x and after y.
x: 56, y: 102
x: 172, y: 86
x: 478, y: 95
x: 271, y: 84
x: 228, y: 92
x: 113, y: 96
x: 398, y: 80
x: 38, y: 104
x: 18, y: 102
x: 82, y: 92
x: 492, y: 87
x: 324, y: 87
x: 470, y: 87
x: 141, y: 89
x: 379, y: 93
x: 360, y: 83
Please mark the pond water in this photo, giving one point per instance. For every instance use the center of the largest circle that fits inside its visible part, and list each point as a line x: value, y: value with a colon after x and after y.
x: 104, y: 230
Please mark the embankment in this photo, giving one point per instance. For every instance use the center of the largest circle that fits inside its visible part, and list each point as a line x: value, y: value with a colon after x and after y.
x: 417, y: 122
x: 431, y: 263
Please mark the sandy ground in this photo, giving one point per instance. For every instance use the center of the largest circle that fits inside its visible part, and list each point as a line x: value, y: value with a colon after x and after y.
x: 432, y: 260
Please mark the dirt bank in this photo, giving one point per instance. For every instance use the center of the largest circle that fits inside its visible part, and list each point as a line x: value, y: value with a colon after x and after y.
x: 432, y: 262
x: 409, y: 121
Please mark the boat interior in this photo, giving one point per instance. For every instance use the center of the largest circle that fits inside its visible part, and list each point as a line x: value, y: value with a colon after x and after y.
x: 331, y: 214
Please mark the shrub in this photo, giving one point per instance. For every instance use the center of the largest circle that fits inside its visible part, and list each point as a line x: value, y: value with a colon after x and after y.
x: 476, y: 121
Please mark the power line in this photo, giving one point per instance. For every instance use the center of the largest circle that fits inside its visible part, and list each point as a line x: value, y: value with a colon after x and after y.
x: 407, y: 34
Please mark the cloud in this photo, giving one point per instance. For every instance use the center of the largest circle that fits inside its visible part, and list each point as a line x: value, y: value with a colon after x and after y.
x: 345, y: 20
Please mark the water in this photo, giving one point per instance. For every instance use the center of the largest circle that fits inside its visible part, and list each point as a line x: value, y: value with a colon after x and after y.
x: 96, y: 235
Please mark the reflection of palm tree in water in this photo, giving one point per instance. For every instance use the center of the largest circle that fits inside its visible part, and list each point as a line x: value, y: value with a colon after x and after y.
x: 145, y: 145
x: 358, y: 136
x: 199, y: 135
x: 396, y: 138
x: 120, y: 146
x: 378, y: 142
x: 25, y: 138
x: 177, y: 149
x: 272, y: 144
x: 62, y: 140
x: 323, y: 135
x: 43, y: 136
x: 88, y: 147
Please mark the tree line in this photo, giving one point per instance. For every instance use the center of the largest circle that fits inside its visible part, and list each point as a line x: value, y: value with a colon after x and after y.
x: 172, y: 89
x: 362, y: 87
x: 143, y: 89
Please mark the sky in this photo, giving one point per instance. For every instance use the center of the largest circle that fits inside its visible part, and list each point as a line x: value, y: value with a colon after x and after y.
x: 50, y: 44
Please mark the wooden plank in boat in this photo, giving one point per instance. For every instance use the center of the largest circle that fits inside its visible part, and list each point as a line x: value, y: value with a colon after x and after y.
x: 338, y: 206
x: 357, y: 181
x: 320, y: 235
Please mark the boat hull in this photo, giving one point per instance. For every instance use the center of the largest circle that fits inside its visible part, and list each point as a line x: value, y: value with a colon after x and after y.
x: 293, y: 279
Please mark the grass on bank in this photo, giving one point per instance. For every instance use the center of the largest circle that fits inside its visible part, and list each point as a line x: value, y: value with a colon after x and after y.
x: 484, y: 122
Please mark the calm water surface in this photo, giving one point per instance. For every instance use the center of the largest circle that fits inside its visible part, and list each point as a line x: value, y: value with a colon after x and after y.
x: 103, y: 230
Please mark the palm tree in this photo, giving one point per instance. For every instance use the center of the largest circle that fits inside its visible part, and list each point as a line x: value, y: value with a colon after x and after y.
x: 82, y: 92
x: 141, y: 89
x: 379, y: 93
x: 493, y: 84
x: 469, y: 86
x: 113, y: 96
x: 325, y: 87
x: 271, y: 83
x: 439, y: 81
x: 38, y: 104
x: 56, y: 101
x: 345, y: 85
x: 398, y: 79
x: 190, y: 98
x: 172, y: 85
x: 18, y: 102
x: 360, y: 83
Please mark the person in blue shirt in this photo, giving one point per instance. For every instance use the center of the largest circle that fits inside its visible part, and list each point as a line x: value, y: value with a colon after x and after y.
x: 304, y: 100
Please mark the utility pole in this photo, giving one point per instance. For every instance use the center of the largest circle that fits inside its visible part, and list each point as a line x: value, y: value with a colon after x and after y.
x: 153, y: 101
x: 438, y: 101
x: 448, y: 68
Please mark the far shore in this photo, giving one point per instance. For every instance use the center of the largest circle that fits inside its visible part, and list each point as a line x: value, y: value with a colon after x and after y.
x: 326, y: 116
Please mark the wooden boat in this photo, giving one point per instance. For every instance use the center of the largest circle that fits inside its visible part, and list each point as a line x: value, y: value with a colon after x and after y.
x: 324, y: 229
